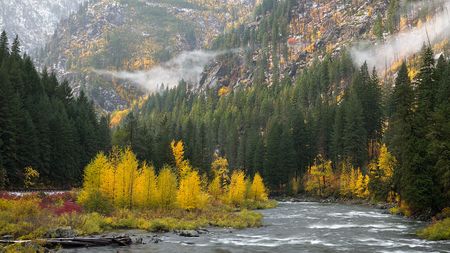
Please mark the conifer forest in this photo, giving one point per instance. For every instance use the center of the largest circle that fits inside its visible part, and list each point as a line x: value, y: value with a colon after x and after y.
x: 210, y: 125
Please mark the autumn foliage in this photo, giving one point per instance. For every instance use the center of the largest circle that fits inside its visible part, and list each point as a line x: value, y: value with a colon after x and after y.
x: 119, y: 180
x: 344, y: 180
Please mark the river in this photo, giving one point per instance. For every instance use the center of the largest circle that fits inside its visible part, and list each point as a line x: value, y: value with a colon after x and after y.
x: 303, y: 227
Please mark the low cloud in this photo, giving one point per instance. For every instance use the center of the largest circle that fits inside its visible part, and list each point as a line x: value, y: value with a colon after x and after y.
x: 403, y: 44
x: 187, y: 66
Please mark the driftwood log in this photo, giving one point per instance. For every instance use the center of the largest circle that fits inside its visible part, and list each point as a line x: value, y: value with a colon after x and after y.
x: 77, y: 242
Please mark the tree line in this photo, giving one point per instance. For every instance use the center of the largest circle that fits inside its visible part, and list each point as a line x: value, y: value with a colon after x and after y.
x: 42, y: 124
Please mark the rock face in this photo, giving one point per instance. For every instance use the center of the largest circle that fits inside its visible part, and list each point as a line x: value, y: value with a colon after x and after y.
x: 34, y: 20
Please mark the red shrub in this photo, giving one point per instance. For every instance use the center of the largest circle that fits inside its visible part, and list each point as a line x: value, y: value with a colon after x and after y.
x: 58, y: 203
x: 8, y: 196
x: 68, y: 207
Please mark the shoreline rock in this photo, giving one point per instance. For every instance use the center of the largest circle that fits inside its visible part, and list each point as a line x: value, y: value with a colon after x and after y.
x: 187, y: 233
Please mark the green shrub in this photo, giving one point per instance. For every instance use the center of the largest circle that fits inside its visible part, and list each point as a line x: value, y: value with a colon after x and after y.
x: 437, y: 231
x: 242, y: 219
x: 24, y: 248
x: 92, y: 223
x: 96, y: 202
x: 445, y: 213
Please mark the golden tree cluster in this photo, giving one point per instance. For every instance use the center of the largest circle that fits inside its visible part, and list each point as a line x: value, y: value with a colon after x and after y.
x: 349, y: 182
x: 119, y: 180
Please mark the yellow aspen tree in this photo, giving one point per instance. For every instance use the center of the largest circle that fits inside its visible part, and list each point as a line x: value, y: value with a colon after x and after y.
x: 167, y: 188
x: 127, y: 172
x: 178, y: 152
x: 345, y: 179
x: 190, y: 195
x: 386, y: 163
x: 366, y: 182
x: 295, y: 185
x: 107, y: 181
x: 91, y: 181
x: 30, y: 177
x: 258, y: 191
x: 184, y: 168
x: 352, y: 181
x: 319, y: 176
x: 359, y: 185
x: 237, y: 188
x: 219, y: 167
x: 312, y: 185
x: 146, y: 187
x: 139, y: 190
x: 114, y: 159
x: 215, y: 188
x: 204, y: 182
x: 219, y: 184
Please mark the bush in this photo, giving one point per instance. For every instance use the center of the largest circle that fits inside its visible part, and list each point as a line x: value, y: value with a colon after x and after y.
x: 437, y: 231
x: 23, y: 217
x: 24, y: 248
x: 96, y: 202
x: 92, y: 223
x: 445, y: 213
x: 243, y: 219
x: 403, y: 209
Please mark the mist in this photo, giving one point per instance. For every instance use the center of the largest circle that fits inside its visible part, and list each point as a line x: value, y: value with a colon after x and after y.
x: 403, y: 44
x: 187, y: 66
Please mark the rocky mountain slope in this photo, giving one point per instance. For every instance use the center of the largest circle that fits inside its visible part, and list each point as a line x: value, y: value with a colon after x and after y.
x: 285, y: 37
x: 268, y: 41
x: 133, y: 35
x: 34, y: 20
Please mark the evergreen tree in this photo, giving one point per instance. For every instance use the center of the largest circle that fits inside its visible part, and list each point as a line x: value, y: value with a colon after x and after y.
x: 354, y: 133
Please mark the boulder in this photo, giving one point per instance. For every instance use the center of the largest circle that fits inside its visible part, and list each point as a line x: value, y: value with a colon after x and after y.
x: 62, y: 232
x: 187, y: 233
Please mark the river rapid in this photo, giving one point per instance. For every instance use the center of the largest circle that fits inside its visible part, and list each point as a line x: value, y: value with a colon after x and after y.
x: 302, y: 227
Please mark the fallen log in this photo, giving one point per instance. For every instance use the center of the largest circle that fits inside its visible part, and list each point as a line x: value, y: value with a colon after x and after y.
x: 77, y: 242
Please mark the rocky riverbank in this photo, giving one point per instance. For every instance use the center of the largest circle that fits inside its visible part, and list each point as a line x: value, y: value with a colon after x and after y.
x: 361, y: 202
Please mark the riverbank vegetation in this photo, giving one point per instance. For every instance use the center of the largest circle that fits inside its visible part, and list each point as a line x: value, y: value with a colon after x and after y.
x: 39, y: 216
x: 119, y: 192
x: 440, y: 227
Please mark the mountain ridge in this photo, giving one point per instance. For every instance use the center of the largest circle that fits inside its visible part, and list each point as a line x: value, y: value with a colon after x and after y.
x: 34, y: 20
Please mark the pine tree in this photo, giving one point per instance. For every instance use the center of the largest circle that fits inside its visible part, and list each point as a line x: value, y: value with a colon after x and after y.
x: 412, y: 179
x: 378, y: 27
x: 354, y: 137
x: 440, y: 136
x: 4, y: 48
x: 272, y: 170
